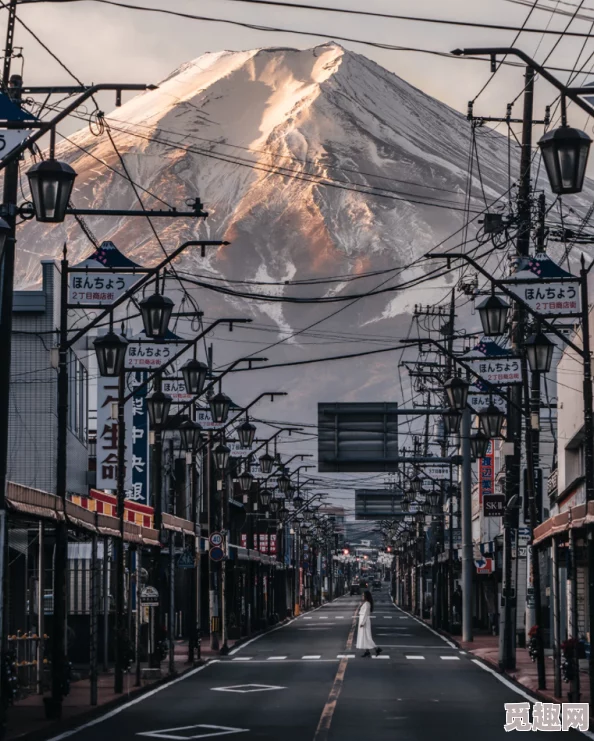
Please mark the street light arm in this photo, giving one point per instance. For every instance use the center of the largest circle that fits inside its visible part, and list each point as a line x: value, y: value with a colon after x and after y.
x: 502, y: 287
x: 45, y: 126
x: 571, y: 93
x: 140, y: 284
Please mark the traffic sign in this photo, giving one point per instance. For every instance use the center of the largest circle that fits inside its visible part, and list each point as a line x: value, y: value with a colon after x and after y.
x: 149, y: 597
x: 216, y: 554
x: 187, y: 560
x: 216, y: 539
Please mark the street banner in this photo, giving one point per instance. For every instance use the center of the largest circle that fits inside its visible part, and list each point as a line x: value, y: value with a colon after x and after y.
x: 486, y: 473
x: 238, y: 452
x: 138, y: 465
x: 204, y: 418
x: 107, y: 432
x: 545, y: 287
x: 101, y: 284
x: 176, y: 389
x: 261, y: 543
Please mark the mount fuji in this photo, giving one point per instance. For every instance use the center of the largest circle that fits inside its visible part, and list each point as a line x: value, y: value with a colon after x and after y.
x: 313, y: 164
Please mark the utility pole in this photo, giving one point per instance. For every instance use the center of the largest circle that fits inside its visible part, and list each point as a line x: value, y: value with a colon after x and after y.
x: 467, y: 559
x: 12, y: 87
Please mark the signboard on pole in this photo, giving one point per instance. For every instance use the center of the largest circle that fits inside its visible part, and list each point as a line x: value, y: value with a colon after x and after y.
x: 494, y: 364
x: 436, y: 471
x: 176, y: 389
x: 149, y: 597
x: 486, y: 473
x: 142, y: 353
x: 101, y: 284
x: 545, y: 287
x: 11, y: 138
x: 493, y: 505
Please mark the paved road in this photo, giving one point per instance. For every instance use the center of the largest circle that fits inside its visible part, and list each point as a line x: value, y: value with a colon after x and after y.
x: 304, y: 682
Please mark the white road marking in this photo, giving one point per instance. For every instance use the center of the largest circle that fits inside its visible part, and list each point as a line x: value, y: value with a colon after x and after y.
x: 219, y: 731
x: 340, y: 617
x: 322, y: 618
x: 136, y: 700
x: 276, y: 658
x: 388, y: 617
x: 242, y: 658
x: 415, y: 658
x: 380, y: 657
x: 308, y: 618
x: 345, y: 656
x: 462, y: 652
x: 311, y: 657
x: 450, y: 658
x: 244, y: 689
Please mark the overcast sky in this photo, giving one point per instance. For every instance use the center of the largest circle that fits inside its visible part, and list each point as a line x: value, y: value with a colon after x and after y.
x: 101, y: 43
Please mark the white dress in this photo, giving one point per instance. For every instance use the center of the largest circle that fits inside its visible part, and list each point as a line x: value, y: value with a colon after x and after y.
x: 364, y: 639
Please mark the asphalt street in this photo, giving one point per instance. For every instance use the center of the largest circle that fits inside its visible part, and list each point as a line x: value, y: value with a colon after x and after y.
x: 305, y: 682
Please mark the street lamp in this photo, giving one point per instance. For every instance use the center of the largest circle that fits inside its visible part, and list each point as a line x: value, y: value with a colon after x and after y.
x: 539, y: 351
x: 265, y: 497
x: 158, y: 405
x: 156, y: 312
x: 415, y: 484
x: 274, y: 506
x: 565, y: 153
x: 219, y: 407
x: 405, y: 505
x: 221, y: 456
x: 434, y: 498
x: 493, y: 314
x: 266, y: 463
x: 479, y: 444
x: 245, y: 481
x: 194, y: 374
x: 111, y: 353
x: 491, y: 421
x: 451, y: 422
x: 246, y: 433
x: 190, y: 435
x: 51, y: 184
x: 283, y: 483
x: 457, y: 391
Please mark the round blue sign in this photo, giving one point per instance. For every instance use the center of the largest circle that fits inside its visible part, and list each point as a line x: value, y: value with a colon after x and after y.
x: 217, y: 554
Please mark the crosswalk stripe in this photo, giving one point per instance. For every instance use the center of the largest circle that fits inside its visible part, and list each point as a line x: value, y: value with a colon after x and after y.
x: 311, y: 657
x: 380, y: 657
x: 242, y: 658
x: 345, y: 656
x: 340, y: 617
x: 307, y: 618
x: 276, y: 658
x: 450, y: 658
x: 323, y: 618
x: 418, y: 658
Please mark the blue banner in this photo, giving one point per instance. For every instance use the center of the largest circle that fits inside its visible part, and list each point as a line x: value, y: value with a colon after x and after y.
x: 139, y: 462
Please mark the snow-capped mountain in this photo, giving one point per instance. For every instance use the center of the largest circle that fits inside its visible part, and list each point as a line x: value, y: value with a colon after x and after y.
x: 312, y: 163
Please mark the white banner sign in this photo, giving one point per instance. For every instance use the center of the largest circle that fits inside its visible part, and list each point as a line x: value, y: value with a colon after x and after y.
x: 549, y: 299
x: 497, y: 371
x: 436, y: 472
x: 99, y: 288
x: 107, y: 434
x: 176, y: 389
x: 479, y: 401
x: 11, y: 138
x: 236, y: 450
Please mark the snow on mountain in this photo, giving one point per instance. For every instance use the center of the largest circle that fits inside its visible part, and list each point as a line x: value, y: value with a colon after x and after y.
x: 247, y: 131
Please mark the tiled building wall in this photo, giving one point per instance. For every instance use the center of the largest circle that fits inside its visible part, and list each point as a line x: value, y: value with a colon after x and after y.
x: 33, y: 406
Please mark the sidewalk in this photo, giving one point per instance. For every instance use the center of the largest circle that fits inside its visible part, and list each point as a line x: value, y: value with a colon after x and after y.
x: 486, y: 648
x: 27, y: 716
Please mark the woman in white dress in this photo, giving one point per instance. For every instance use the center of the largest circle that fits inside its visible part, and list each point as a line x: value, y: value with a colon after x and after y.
x: 364, y: 639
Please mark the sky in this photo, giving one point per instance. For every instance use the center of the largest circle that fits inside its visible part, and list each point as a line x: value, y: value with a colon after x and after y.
x: 101, y: 43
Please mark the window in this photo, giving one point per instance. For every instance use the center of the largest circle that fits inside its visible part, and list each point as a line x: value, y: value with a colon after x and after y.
x: 78, y: 382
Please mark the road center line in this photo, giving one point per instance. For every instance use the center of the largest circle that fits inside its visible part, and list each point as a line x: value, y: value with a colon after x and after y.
x: 323, y: 728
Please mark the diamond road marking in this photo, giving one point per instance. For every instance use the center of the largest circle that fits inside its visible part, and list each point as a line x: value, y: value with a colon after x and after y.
x: 276, y: 658
x: 311, y: 657
x: 450, y: 658
x: 242, y: 658
x: 418, y: 658
x: 244, y: 689
x: 169, y: 732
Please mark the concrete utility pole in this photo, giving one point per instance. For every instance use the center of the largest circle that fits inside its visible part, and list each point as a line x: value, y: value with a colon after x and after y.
x: 467, y: 559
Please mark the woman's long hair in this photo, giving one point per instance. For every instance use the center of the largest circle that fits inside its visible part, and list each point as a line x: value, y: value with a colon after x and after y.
x: 368, y: 598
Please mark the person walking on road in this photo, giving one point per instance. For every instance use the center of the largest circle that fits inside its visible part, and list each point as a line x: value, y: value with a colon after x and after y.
x: 364, y: 639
